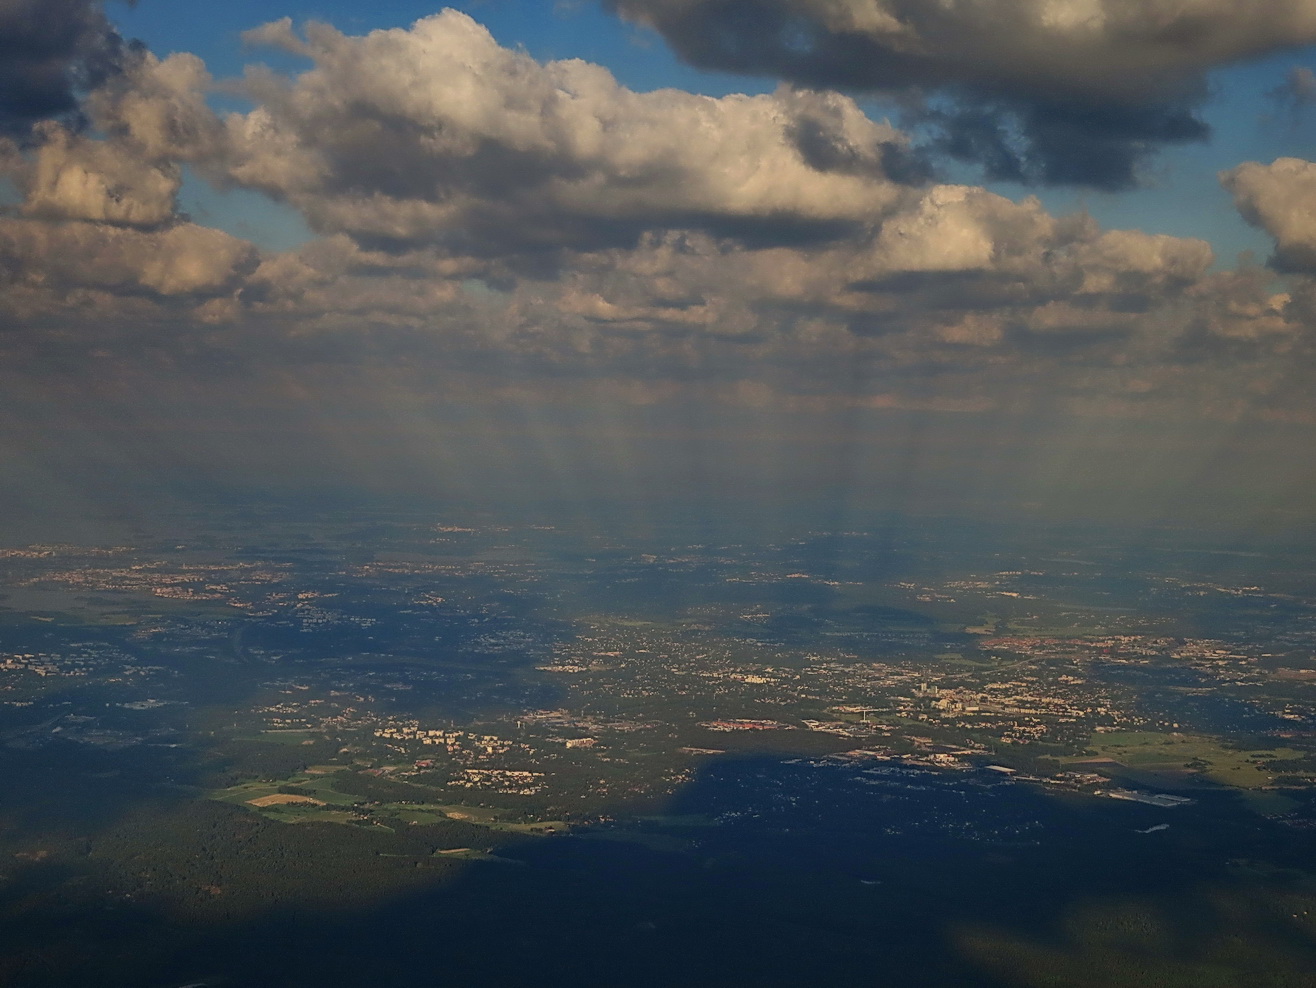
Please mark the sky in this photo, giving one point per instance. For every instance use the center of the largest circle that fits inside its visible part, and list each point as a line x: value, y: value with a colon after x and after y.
x: 1051, y: 258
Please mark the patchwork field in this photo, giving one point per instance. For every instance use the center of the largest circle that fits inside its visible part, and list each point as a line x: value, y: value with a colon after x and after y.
x: 281, y: 798
x: 1183, y: 759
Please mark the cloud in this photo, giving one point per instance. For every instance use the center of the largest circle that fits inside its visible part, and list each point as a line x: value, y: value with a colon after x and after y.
x: 438, y: 135
x: 1079, y: 49
x: 1297, y: 91
x: 492, y: 225
x: 1244, y: 306
x: 1280, y: 198
x: 51, y: 51
x: 76, y: 178
x: 99, y: 211
x: 1130, y: 262
x: 150, y: 116
x: 277, y: 34
x: 334, y: 284
x: 158, y: 107
x: 957, y: 268
x: 183, y: 260
x: 958, y: 228
x: 1061, y: 91
x: 1044, y: 141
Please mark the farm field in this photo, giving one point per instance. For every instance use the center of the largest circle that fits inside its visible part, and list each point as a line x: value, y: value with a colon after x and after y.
x: 1184, y: 759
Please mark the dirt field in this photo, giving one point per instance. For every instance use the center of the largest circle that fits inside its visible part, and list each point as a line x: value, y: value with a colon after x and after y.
x: 282, y: 797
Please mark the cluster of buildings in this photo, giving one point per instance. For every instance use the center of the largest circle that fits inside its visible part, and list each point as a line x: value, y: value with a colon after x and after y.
x: 723, y: 667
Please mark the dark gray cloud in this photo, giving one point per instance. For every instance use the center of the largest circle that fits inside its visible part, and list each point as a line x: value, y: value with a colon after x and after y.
x: 1044, y: 142
x: 1055, y: 93
x: 51, y: 52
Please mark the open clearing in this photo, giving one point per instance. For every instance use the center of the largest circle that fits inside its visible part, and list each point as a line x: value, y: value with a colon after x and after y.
x: 322, y: 803
x: 1178, y: 758
x: 280, y: 798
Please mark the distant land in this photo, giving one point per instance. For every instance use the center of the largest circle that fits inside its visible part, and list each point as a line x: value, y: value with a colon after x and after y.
x: 347, y: 747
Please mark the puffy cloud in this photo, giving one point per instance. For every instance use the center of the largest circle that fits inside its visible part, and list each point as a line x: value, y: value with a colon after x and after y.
x: 98, y: 129
x: 960, y: 247
x: 1280, y: 198
x: 183, y: 260
x: 1124, y: 262
x: 959, y: 228
x: 438, y: 135
x: 1243, y: 305
x: 1047, y: 90
x: 76, y: 178
x: 489, y: 217
x: 959, y: 266
x: 50, y: 50
x: 153, y: 115
x: 158, y: 106
x: 334, y: 283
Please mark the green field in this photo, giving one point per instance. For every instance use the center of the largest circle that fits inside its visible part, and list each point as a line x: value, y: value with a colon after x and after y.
x: 337, y: 808
x: 343, y: 808
x: 1171, y: 758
